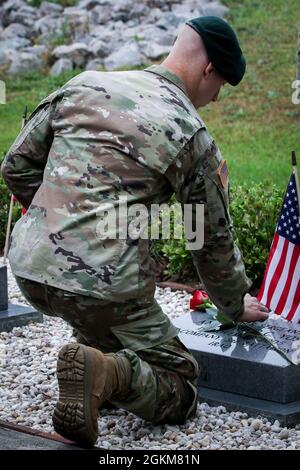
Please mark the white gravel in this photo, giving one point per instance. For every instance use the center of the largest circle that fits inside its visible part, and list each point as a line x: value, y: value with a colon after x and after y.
x: 28, y: 393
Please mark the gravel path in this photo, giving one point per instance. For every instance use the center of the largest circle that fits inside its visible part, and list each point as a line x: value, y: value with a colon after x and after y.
x: 28, y: 393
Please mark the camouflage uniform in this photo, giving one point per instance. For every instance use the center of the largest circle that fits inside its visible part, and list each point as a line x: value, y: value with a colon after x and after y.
x: 100, y: 138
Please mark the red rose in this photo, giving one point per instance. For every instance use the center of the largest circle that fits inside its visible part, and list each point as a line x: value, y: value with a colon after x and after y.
x: 200, y: 300
x: 23, y: 210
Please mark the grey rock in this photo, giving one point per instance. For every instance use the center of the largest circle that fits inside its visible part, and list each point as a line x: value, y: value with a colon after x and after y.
x: 278, y: 443
x: 155, y: 51
x: 39, y: 50
x: 276, y: 428
x: 167, y: 39
x: 139, y: 10
x: 95, y: 64
x: 128, y: 10
x: 78, y: 22
x: 256, y: 425
x: 49, y: 8
x: 77, y: 52
x: 99, y: 48
x: 13, y: 30
x: 127, y: 55
x: 105, y: 34
x: 215, y: 9
x: 24, y: 61
x: 151, y: 33
x: 284, y: 434
x: 48, y: 26
x: 6, y: 57
x: 26, y: 15
x: 153, y: 17
x: 90, y: 4
x: 185, y: 11
x: 169, y: 19
x: 60, y: 66
x: 14, y: 43
x: 7, y: 8
x: 100, y: 14
x: 13, y: 5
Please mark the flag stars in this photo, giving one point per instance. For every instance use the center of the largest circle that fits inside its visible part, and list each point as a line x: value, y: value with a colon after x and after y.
x: 289, y: 221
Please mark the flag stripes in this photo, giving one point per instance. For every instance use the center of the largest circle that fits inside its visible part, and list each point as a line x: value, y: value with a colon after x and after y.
x: 280, y: 290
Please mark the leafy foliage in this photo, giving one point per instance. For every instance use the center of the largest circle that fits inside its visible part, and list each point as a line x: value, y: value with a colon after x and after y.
x: 64, y: 3
x: 255, y: 210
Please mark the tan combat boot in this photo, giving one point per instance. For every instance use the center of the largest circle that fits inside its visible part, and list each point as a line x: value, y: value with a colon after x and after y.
x: 86, y: 378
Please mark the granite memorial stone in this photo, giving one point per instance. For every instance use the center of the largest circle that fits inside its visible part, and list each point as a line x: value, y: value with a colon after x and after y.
x: 12, y: 315
x: 253, y: 367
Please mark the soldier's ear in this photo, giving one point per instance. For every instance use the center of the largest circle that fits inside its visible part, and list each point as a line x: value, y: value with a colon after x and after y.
x: 208, y: 69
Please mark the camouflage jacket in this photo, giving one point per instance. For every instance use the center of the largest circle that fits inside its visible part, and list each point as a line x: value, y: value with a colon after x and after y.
x: 102, y: 137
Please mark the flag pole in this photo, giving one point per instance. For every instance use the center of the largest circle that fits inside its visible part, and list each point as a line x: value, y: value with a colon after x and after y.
x: 11, y: 204
x: 298, y: 64
x: 294, y: 159
x: 295, y: 172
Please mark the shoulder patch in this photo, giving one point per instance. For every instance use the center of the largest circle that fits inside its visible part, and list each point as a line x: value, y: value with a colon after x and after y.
x: 222, y: 173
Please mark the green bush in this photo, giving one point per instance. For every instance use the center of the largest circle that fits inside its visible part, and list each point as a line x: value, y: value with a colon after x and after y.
x: 64, y: 3
x: 173, y: 253
x: 254, y: 211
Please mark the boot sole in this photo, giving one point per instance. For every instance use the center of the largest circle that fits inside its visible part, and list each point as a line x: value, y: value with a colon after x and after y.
x: 72, y: 417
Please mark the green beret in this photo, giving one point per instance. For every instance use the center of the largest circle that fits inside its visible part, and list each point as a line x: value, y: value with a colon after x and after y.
x: 222, y: 47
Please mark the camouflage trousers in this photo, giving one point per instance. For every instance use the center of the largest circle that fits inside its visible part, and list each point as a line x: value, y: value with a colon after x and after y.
x: 164, y: 376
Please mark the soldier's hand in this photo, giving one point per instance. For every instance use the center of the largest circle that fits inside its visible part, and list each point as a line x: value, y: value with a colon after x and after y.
x: 254, y: 310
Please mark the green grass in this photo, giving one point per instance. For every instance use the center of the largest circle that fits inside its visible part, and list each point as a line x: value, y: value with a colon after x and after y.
x: 21, y: 92
x: 256, y: 125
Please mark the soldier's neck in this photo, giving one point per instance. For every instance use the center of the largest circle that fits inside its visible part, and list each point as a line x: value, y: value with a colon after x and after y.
x: 190, y: 79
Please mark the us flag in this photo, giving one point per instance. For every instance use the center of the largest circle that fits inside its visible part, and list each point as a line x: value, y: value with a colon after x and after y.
x: 280, y: 290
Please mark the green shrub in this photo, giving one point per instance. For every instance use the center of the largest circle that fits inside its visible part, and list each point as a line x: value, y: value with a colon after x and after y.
x: 64, y: 3
x: 254, y: 211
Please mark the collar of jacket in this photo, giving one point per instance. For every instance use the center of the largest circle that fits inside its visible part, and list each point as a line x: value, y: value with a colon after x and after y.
x: 166, y: 73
